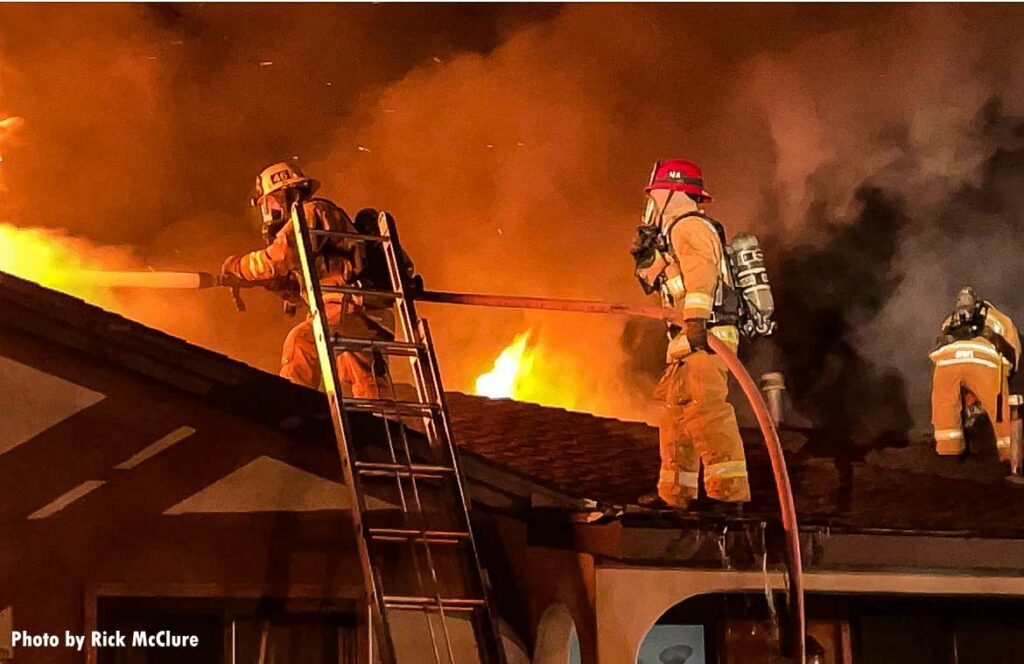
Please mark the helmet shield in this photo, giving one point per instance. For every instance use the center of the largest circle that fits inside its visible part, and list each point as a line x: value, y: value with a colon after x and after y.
x: 651, y: 212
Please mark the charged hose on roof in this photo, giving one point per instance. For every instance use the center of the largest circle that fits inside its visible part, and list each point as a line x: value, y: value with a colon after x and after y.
x: 787, y: 507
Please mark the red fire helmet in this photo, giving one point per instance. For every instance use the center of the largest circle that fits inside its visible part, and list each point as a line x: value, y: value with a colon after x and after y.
x: 678, y: 175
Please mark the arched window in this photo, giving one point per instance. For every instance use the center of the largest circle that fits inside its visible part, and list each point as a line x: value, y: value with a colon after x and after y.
x: 673, y: 644
x: 557, y: 641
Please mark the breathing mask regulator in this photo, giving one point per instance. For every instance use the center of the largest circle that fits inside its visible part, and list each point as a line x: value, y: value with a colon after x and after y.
x: 274, y: 210
x: 650, y: 249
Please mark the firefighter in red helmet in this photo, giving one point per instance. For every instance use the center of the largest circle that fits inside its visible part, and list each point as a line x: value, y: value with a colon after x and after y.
x: 276, y: 268
x: 680, y: 253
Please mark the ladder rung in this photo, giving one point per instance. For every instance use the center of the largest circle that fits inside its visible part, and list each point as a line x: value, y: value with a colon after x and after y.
x: 417, y: 469
x: 359, y: 237
x: 389, y: 407
x: 390, y: 347
x: 432, y: 604
x: 355, y: 290
x: 430, y: 536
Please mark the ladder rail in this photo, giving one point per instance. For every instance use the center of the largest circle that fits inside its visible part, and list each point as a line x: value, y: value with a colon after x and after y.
x: 411, y: 331
x: 421, y: 514
x: 321, y: 334
x: 428, y: 379
x: 406, y: 511
x: 494, y: 637
x: 406, y: 313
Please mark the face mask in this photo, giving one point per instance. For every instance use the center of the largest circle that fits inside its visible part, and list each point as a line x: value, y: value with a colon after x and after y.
x: 271, y: 210
x: 273, y: 214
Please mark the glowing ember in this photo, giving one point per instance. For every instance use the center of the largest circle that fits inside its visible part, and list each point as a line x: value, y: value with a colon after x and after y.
x: 510, y: 369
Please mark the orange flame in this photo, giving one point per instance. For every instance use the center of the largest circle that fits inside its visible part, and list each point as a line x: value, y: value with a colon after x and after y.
x: 511, y: 369
x: 529, y: 371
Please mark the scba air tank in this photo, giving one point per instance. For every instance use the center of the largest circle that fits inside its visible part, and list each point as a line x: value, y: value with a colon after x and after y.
x: 750, y: 278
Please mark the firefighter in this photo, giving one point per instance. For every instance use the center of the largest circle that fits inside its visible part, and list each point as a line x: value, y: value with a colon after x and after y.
x: 978, y: 351
x: 276, y: 268
x: 680, y: 253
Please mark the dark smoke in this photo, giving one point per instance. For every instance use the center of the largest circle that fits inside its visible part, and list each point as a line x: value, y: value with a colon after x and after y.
x: 826, y: 292
x: 966, y: 230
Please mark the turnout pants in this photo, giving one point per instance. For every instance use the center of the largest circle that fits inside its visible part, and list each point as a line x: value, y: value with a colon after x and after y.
x: 299, y: 362
x: 699, y: 425
x: 979, y: 371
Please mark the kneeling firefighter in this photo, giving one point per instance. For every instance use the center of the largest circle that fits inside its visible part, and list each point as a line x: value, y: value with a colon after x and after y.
x: 340, y: 262
x: 978, y: 351
x: 682, y: 253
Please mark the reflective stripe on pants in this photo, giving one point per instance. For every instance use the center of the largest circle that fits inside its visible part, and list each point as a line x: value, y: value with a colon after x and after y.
x: 727, y: 469
x: 699, y: 425
x: 680, y: 477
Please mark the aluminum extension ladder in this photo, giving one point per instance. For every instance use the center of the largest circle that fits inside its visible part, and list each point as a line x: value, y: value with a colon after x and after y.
x: 409, y: 499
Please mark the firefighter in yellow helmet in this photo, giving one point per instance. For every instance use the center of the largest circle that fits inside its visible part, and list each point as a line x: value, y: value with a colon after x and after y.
x: 276, y: 267
x: 680, y: 253
x: 978, y: 351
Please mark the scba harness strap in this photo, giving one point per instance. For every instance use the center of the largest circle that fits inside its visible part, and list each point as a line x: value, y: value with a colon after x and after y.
x: 726, y: 306
x: 980, y: 324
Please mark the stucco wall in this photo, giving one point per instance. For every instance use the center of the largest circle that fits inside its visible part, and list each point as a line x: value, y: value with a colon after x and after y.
x: 630, y: 599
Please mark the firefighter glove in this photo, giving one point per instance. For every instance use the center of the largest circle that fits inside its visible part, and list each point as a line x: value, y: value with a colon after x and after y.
x: 697, y: 334
x: 231, y: 269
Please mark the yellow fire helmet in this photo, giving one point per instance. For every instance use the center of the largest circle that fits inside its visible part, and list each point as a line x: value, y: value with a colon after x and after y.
x: 280, y: 176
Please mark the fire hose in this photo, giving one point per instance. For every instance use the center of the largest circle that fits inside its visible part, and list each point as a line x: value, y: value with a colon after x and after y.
x: 787, y: 506
x: 162, y: 280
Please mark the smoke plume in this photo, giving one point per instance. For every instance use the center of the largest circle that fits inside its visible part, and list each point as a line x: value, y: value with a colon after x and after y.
x: 826, y: 293
x: 512, y: 142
